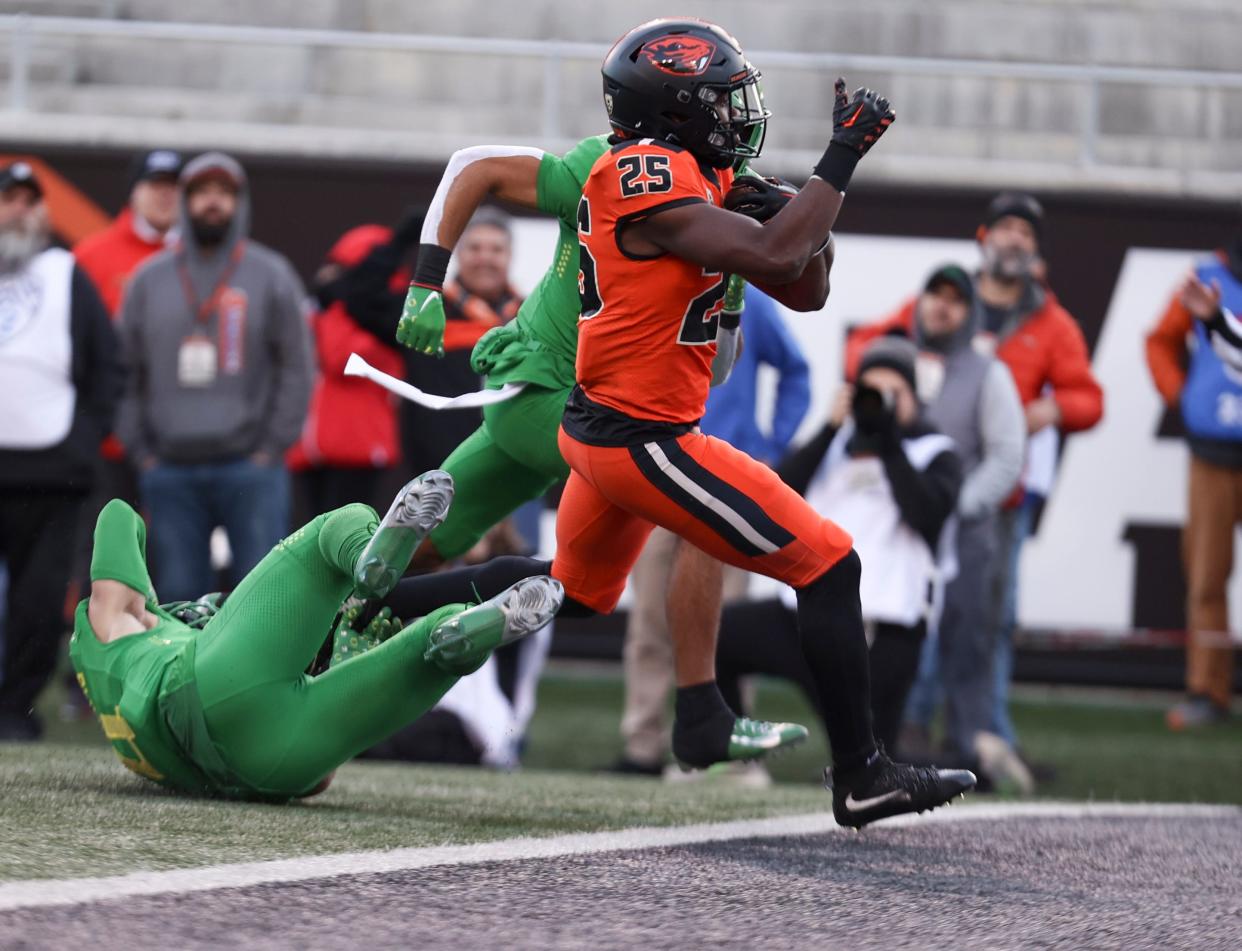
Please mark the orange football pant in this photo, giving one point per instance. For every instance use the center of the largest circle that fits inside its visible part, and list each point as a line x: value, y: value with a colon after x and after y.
x: 699, y: 487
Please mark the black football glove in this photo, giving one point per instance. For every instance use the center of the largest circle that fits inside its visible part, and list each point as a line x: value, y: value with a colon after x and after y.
x: 758, y: 198
x: 860, y: 119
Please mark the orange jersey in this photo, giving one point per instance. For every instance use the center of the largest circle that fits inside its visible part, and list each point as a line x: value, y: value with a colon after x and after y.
x: 647, y: 330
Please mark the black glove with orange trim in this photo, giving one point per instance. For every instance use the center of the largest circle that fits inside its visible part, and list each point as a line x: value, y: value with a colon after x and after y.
x: 858, y: 121
x: 758, y: 198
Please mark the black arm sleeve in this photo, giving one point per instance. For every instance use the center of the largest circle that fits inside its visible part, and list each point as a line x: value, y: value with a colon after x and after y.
x: 97, y: 374
x: 798, y: 467
x: 925, y: 499
x: 367, y: 296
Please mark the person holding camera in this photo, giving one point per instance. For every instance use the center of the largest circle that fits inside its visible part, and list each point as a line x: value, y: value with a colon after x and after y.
x: 890, y: 479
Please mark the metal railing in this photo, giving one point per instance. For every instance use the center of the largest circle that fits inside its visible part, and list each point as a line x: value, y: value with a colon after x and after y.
x: 24, y: 29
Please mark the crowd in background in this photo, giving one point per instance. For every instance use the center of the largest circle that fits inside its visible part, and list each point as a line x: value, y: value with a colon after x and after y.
x: 173, y: 361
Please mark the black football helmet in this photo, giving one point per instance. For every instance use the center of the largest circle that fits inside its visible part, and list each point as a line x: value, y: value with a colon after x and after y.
x: 686, y: 82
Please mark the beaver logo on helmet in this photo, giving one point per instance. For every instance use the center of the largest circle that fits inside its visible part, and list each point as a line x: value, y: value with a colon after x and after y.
x: 680, y: 55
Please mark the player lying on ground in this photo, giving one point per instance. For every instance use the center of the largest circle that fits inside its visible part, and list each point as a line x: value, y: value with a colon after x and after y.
x: 655, y: 246
x: 223, y: 706
x: 513, y: 456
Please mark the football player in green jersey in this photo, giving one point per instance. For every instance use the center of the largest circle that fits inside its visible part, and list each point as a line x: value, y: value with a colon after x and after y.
x: 218, y: 702
x: 513, y: 456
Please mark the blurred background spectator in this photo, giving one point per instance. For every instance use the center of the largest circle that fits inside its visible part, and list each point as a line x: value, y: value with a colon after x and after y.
x: 59, y: 383
x: 1201, y: 376
x: 350, y: 436
x: 218, y: 355
x: 891, y: 479
x: 731, y: 415
x: 971, y: 398
x: 1021, y: 322
x: 478, y: 298
x: 145, y: 226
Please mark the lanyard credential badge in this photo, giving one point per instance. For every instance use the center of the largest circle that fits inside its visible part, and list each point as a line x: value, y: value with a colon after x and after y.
x: 197, y: 361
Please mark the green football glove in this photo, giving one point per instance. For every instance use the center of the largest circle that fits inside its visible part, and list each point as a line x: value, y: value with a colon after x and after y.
x: 421, y: 326
x: 348, y: 643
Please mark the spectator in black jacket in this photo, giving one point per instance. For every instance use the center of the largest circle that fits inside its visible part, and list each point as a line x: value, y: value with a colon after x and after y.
x: 59, y: 383
x: 887, y: 476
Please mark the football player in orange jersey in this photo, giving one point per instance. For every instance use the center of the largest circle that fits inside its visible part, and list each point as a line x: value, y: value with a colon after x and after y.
x: 656, y: 247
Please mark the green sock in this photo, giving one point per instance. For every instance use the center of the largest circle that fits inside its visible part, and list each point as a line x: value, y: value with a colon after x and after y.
x: 345, y: 535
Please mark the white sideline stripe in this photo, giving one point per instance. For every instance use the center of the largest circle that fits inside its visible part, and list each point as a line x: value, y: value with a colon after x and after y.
x: 74, y: 891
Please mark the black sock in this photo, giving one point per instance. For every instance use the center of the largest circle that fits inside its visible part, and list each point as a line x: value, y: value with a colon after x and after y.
x: 835, y: 645
x: 699, y: 703
x: 895, y: 653
x: 703, y: 726
x: 419, y: 595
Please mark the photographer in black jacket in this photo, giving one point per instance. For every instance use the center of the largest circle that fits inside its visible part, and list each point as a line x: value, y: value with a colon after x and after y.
x: 891, y: 479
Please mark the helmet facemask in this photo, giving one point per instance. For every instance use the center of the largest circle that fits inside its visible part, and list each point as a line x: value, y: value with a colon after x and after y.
x: 740, y: 119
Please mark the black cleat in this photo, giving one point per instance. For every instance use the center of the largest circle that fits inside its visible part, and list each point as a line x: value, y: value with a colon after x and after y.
x: 883, y: 788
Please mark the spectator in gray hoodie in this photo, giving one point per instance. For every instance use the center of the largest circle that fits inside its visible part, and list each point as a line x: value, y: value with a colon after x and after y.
x: 220, y: 371
x: 972, y: 399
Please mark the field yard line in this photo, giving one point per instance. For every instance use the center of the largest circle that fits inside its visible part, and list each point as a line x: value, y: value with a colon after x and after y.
x: 73, y: 891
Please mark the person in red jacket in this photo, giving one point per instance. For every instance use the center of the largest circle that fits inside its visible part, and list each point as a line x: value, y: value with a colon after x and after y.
x: 350, y: 435
x: 142, y: 228
x: 1021, y: 320
x: 145, y: 226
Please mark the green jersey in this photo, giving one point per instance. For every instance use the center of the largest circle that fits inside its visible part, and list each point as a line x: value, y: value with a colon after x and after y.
x: 142, y: 686
x: 547, y: 323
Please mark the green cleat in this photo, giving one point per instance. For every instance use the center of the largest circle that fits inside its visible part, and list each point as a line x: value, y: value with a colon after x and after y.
x: 720, y: 740
x: 752, y: 739
x: 413, y: 515
x: 462, y: 641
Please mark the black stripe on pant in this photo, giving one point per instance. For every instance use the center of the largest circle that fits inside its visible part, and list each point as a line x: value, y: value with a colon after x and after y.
x: 746, y: 507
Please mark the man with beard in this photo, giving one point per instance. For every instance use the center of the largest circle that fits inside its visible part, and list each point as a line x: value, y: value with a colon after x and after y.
x: 1021, y: 321
x: 220, y: 376
x: 59, y: 381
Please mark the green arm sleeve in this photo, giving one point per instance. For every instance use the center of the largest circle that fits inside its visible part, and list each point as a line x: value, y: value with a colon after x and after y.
x: 561, y: 178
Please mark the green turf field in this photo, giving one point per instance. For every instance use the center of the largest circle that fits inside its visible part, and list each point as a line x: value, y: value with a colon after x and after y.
x: 72, y: 810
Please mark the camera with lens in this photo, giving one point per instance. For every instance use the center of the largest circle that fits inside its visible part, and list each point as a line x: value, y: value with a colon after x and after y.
x: 874, y: 410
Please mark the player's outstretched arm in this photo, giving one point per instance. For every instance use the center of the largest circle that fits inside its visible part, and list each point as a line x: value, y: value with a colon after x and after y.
x: 784, y: 256
x: 510, y: 173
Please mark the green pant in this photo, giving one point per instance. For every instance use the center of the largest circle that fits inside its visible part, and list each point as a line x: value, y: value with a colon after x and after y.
x: 510, y: 459
x: 279, y: 730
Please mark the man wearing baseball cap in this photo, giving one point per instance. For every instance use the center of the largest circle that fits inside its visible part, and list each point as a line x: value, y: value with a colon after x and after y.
x: 220, y: 376
x: 143, y: 227
x: 1020, y: 320
x: 971, y: 397
x: 59, y: 381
